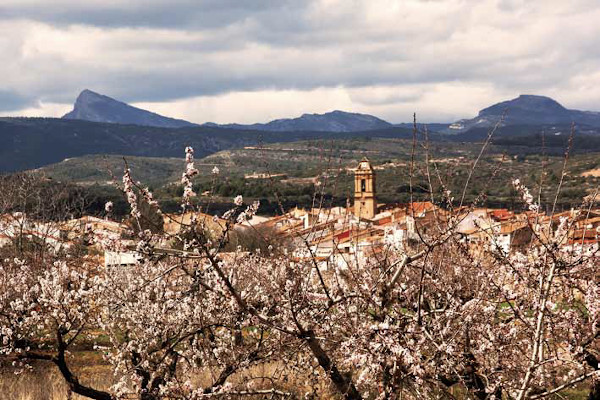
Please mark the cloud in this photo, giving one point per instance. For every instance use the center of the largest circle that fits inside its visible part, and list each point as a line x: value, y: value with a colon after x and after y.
x: 40, y: 109
x: 396, y: 104
x: 10, y: 101
x: 386, y: 56
x: 173, y: 14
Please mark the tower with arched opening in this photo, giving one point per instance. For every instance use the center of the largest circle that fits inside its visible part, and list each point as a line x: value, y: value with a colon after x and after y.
x: 365, y: 203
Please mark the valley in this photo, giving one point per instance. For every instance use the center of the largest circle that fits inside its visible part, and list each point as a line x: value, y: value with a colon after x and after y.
x: 294, y: 172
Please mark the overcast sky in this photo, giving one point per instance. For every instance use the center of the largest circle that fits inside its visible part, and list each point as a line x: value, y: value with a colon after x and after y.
x: 256, y: 60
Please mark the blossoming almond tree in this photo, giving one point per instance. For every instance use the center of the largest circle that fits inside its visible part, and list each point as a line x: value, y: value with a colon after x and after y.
x: 413, y: 321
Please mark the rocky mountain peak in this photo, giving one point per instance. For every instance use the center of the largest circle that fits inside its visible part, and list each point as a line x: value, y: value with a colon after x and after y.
x: 95, y: 107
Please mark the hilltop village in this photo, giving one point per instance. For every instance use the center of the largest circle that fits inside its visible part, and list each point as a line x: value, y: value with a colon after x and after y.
x: 338, y: 235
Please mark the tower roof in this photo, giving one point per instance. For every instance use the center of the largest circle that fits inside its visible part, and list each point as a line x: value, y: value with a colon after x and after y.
x: 364, y: 165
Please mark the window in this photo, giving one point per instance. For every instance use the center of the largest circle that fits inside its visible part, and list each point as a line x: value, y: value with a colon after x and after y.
x: 363, y: 185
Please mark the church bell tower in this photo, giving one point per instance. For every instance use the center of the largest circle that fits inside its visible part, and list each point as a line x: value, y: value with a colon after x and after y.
x: 365, y: 204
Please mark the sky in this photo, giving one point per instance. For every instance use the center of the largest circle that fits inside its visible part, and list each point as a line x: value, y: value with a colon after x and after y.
x: 256, y: 60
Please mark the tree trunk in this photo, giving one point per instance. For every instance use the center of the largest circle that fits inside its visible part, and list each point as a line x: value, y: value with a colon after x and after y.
x: 343, y: 384
x: 592, y: 361
x: 594, y: 390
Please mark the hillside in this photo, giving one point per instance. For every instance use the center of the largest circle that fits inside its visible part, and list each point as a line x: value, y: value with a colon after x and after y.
x: 99, y: 169
x: 298, y: 166
x: 33, y: 142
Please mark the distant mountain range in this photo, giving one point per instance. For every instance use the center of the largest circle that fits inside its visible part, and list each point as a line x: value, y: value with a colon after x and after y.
x: 94, y: 107
x: 523, y: 110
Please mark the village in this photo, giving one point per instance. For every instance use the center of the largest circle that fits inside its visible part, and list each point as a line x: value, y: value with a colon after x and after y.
x: 335, y: 236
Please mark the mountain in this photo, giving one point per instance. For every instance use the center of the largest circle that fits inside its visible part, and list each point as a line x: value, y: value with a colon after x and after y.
x: 527, y: 110
x: 335, y: 121
x: 94, y: 107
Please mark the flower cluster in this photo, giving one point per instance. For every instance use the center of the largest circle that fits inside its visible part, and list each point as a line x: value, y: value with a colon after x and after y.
x: 249, y: 212
x: 525, y: 195
x: 239, y: 200
x: 149, y: 198
x: 130, y: 195
x: 186, y: 177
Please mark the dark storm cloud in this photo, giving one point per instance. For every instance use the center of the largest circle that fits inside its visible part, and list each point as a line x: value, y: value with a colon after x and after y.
x: 160, y: 51
x: 11, y: 101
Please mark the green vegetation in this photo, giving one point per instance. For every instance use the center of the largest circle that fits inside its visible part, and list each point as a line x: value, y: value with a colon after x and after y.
x: 304, y: 168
